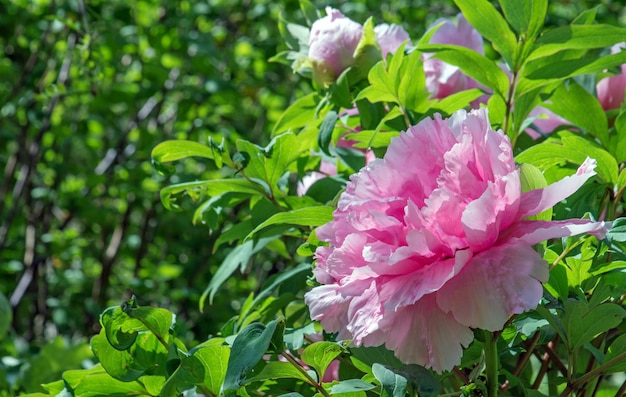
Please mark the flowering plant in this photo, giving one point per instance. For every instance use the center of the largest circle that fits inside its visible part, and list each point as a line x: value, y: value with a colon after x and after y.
x: 469, y: 258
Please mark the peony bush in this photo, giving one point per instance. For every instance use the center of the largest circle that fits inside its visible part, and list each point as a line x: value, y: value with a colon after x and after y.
x: 442, y: 215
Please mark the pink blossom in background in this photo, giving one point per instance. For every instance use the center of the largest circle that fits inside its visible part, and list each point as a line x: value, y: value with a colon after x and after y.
x: 443, y: 79
x: 546, y: 120
x: 610, y: 90
x: 432, y: 241
x: 332, y: 42
x: 330, y: 169
x: 390, y: 37
x: 334, y: 39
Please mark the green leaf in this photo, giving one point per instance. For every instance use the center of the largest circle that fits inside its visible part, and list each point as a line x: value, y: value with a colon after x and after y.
x: 6, y: 316
x: 532, y: 178
x: 145, y: 354
x: 309, y: 216
x: 319, y: 355
x: 381, y: 88
x: 298, y: 114
x: 213, y: 187
x: 575, y: 104
x: 583, y: 323
x: 156, y: 319
x: 367, y: 52
x: 526, y: 17
x: 279, y: 370
x: 237, y: 259
x: 607, y: 168
x: 379, y: 354
x: 203, y: 366
x: 350, y: 385
x: 248, y: 348
x: 484, y: 17
x: 473, y: 64
x: 617, y: 141
x: 456, y: 101
x: 402, y: 82
x: 311, y: 14
x: 618, y: 230
x: 573, y: 150
x: 557, y: 284
x: 339, y: 91
x: 120, y: 330
x: 393, y: 384
x: 421, y: 380
x: 497, y: 112
x: 274, y: 282
x: 270, y: 163
x: 577, y: 37
x: 97, y: 382
x: 168, y: 151
x: 616, y: 355
x: 326, y: 131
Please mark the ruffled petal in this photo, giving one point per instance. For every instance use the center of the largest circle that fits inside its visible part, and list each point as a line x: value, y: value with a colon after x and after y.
x: 495, y: 284
x: 539, y: 200
x: 408, y: 289
x: 423, y: 334
x: 533, y: 232
x: 495, y: 210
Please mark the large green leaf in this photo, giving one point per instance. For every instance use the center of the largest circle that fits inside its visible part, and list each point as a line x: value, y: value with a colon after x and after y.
x: 270, y: 163
x: 6, y: 315
x: 248, y: 348
x: 169, y: 151
x: 475, y: 65
x: 583, y: 323
x: 616, y: 355
x: 579, y: 107
x: 204, y: 366
x: 213, y: 187
x: 484, y: 17
x: 526, y: 17
x: 309, y: 216
x: 392, y: 384
x: 570, y: 150
x: 279, y: 370
x: 96, y: 382
x: 350, y: 386
x: 237, y: 259
x: 298, y: 114
x: 577, y: 37
x: 319, y: 355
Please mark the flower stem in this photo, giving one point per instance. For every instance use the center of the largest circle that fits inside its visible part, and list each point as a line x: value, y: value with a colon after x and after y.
x: 492, y: 364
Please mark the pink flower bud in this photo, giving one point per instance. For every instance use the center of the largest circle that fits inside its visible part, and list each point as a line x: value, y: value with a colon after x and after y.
x: 332, y: 43
x: 611, y: 90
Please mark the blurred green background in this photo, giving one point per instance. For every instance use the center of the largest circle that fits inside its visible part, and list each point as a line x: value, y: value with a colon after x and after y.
x: 87, y: 89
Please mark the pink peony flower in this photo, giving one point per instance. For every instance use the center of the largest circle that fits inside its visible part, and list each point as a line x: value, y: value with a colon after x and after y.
x: 390, y: 37
x: 431, y: 241
x: 332, y: 43
x: 443, y: 79
x: 334, y: 39
x: 611, y: 90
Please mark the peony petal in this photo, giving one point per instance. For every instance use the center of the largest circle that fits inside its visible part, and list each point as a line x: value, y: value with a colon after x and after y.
x: 495, y: 284
x: 408, y: 289
x: 425, y: 335
x: 495, y: 210
x: 533, y: 232
x: 328, y: 306
x: 390, y: 37
x: 539, y: 200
